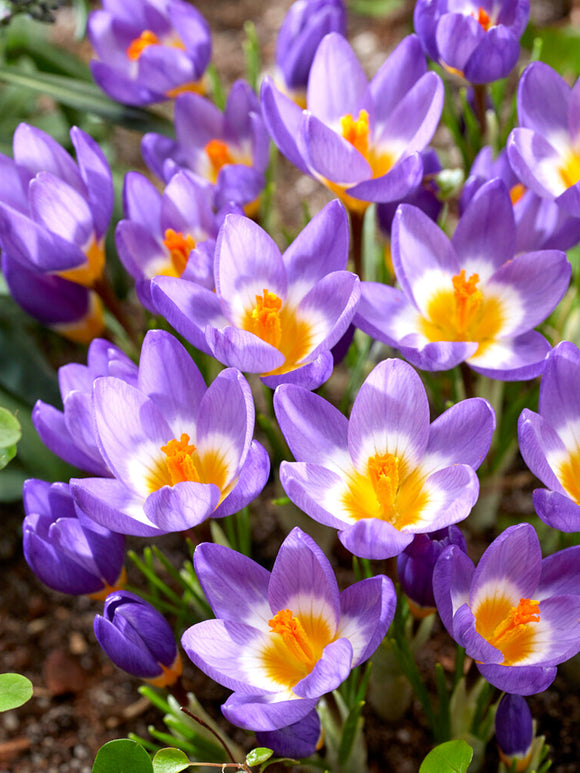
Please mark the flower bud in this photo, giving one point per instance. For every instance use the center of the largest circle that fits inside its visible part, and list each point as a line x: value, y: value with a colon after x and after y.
x: 64, y: 548
x: 415, y: 566
x: 138, y: 639
x: 514, y: 731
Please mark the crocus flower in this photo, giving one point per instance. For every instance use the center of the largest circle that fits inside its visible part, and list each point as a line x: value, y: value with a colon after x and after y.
x: 514, y: 731
x: 468, y: 299
x: 304, y: 26
x: 179, y: 452
x: 64, y: 548
x: 540, y: 223
x: 277, y: 315
x: 362, y: 140
x: 283, y: 639
x: 415, y: 566
x: 516, y: 615
x: 386, y: 474
x: 71, y: 433
x: 227, y: 151
x: 545, y: 150
x: 138, y: 639
x: 476, y: 40
x: 548, y: 440
x: 148, y: 50
x: 71, y: 310
x: 54, y: 212
x: 171, y: 233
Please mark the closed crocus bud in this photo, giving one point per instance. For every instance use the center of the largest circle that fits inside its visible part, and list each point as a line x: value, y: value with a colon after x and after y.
x: 138, y: 639
x: 415, y: 566
x: 66, y: 550
x: 514, y: 731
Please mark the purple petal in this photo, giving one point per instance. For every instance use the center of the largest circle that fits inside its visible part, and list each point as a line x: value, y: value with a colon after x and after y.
x: 475, y: 645
x: 452, y: 580
x: 252, y: 479
x: 461, y: 435
x: 127, y: 655
x: 113, y: 505
x: 329, y: 672
x: 495, y: 56
x: 330, y: 155
x: 543, y: 100
x: 141, y: 200
x: 404, y: 66
x: 312, y: 488
x: 283, y: 119
x: 367, y: 610
x: 513, y: 360
x: 538, y: 441
x: 397, y: 183
x: 297, y: 740
x: 518, y: 680
x: 457, y: 36
x: 438, y: 355
x: 384, y: 313
x: 559, y: 397
x: 265, y: 712
x: 35, y: 151
x: 96, y: 175
x: 309, y: 376
x: 374, y: 539
x: 182, y: 506
x: 560, y: 574
x: 557, y: 510
x: 242, y: 349
x: 535, y: 162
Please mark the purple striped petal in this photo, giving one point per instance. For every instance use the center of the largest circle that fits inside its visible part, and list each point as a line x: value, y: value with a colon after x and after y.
x: 309, y: 376
x: 461, y: 435
x: 35, y: 151
x: 397, y: 183
x: 182, y: 506
x: 242, y: 349
x: 367, y: 610
x: 518, y: 359
x: 330, y: 671
x: 297, y: 740
x: 374, y: 539
x: 495, y: 56
x: 452, y: 580
x: 329, y: 155
x: 252, y: 478
x: 538, y: 441
x: 266, y: 712
x: 111, y: 504
x: 560, y: 574
x: 543, y: 100
x: 404, y: 66
x: 559, y: 397
x: 97, y: 177
x: 518, y: 680
x: 475, y: 645
x: 311, y: 487
x: 283, y: 118
x: 141, y: 200
x: 438, y: 355
x: 557, y: 510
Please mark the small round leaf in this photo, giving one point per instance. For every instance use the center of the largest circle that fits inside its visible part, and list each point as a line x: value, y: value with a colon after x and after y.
x: 122, y: 756
x: 10, y: 431
x: 258, y: 756
x: 170, y: 761
x: 15, y: 690
x: 449, y: 757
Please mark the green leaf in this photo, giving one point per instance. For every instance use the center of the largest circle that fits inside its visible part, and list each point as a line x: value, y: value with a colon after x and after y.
x: 15, y: 690
x: 6, y: 455
x: 10, y: 431
x: 170, y: 761
x: 86, y: 97
x: 449, y: 757
x: 258, y: 756
x: 122, y: 756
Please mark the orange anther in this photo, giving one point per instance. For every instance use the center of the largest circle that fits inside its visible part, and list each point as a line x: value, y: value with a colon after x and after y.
x: 467, y: 299
x: 136, y: 47
x: 180, y: 464
x: 265, y: 318
x: 219, y: 154
x: 179, y: 246
x: 292, y: 632
x: 356, y: 131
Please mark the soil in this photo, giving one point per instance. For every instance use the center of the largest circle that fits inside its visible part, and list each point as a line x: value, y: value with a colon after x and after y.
x: 80, y: 699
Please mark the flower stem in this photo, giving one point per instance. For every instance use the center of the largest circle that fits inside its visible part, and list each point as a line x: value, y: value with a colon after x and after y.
x: 356, y: 225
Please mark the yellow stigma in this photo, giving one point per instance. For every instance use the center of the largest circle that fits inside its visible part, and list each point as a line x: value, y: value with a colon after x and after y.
x: 510, y: 629
x: 356, y: 131
x: 179, y: 247
x: 384, y: 474
x: 483, y: 18
x: 467, y: 301
x: 293, y: 634
x: 265, y: 318
x: 138, y: 45
x: 516, y: 193
x: 179, y: 461
x: 219, y: 156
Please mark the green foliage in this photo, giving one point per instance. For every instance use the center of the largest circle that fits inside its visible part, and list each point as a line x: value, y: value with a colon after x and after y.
x: 122, y: 756
x: 10, y: 434
x: 170, y: 761
x: 258, y: 756
x: 15, y: 690
x: 449, y: 757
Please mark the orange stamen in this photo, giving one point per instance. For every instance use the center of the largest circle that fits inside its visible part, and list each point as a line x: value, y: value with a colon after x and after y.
x: 467, y: 299
x: 383, y: 471
x: 137, y: 46
x: 516, y: 192
x: 169, y: 675
x: 265, y: 318
x: 179, y: 246
x: 180, y: 464
x: 292, y: 632
x: 527, y: 611
x: 483, y: 18
x: 356, y: 131
x: 219, y: 154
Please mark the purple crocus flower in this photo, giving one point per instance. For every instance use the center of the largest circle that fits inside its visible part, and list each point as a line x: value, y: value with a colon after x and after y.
x: 516, y: 615
x: 148, y: 50
x: 545, y: 150
x: 283, y: 639
x: 362, y: 140
x: 171, y: 233
x: 540, y: 223
x: 548, y: 440
x: 476, y: 40
x: 54, y: 212
x: 277, y: 315
x: 466, y: 299
x: 180, y: 452
x: 415, y: 566
x: 386, y: 474
x: 71, y: 310
x: 514, y: 731
x: 64, y: 548
x: 71, y: 433
x: 138, y: 639
x: 228, y: 152
x: 304, y: 26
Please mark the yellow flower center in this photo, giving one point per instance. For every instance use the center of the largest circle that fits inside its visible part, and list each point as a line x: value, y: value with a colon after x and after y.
x: 357, y: 131
x: 179, y: 247
x: 510, y: 629
x: 570, y: 168
x: 295, y: 646
x: 219, y: 155
x: 462, y: 313
x: 388, y: 492
x: 277, y: 324
x: 92, y: 270
x: 138, y: 45
x: 569, y: 475
x: 181, y: 462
